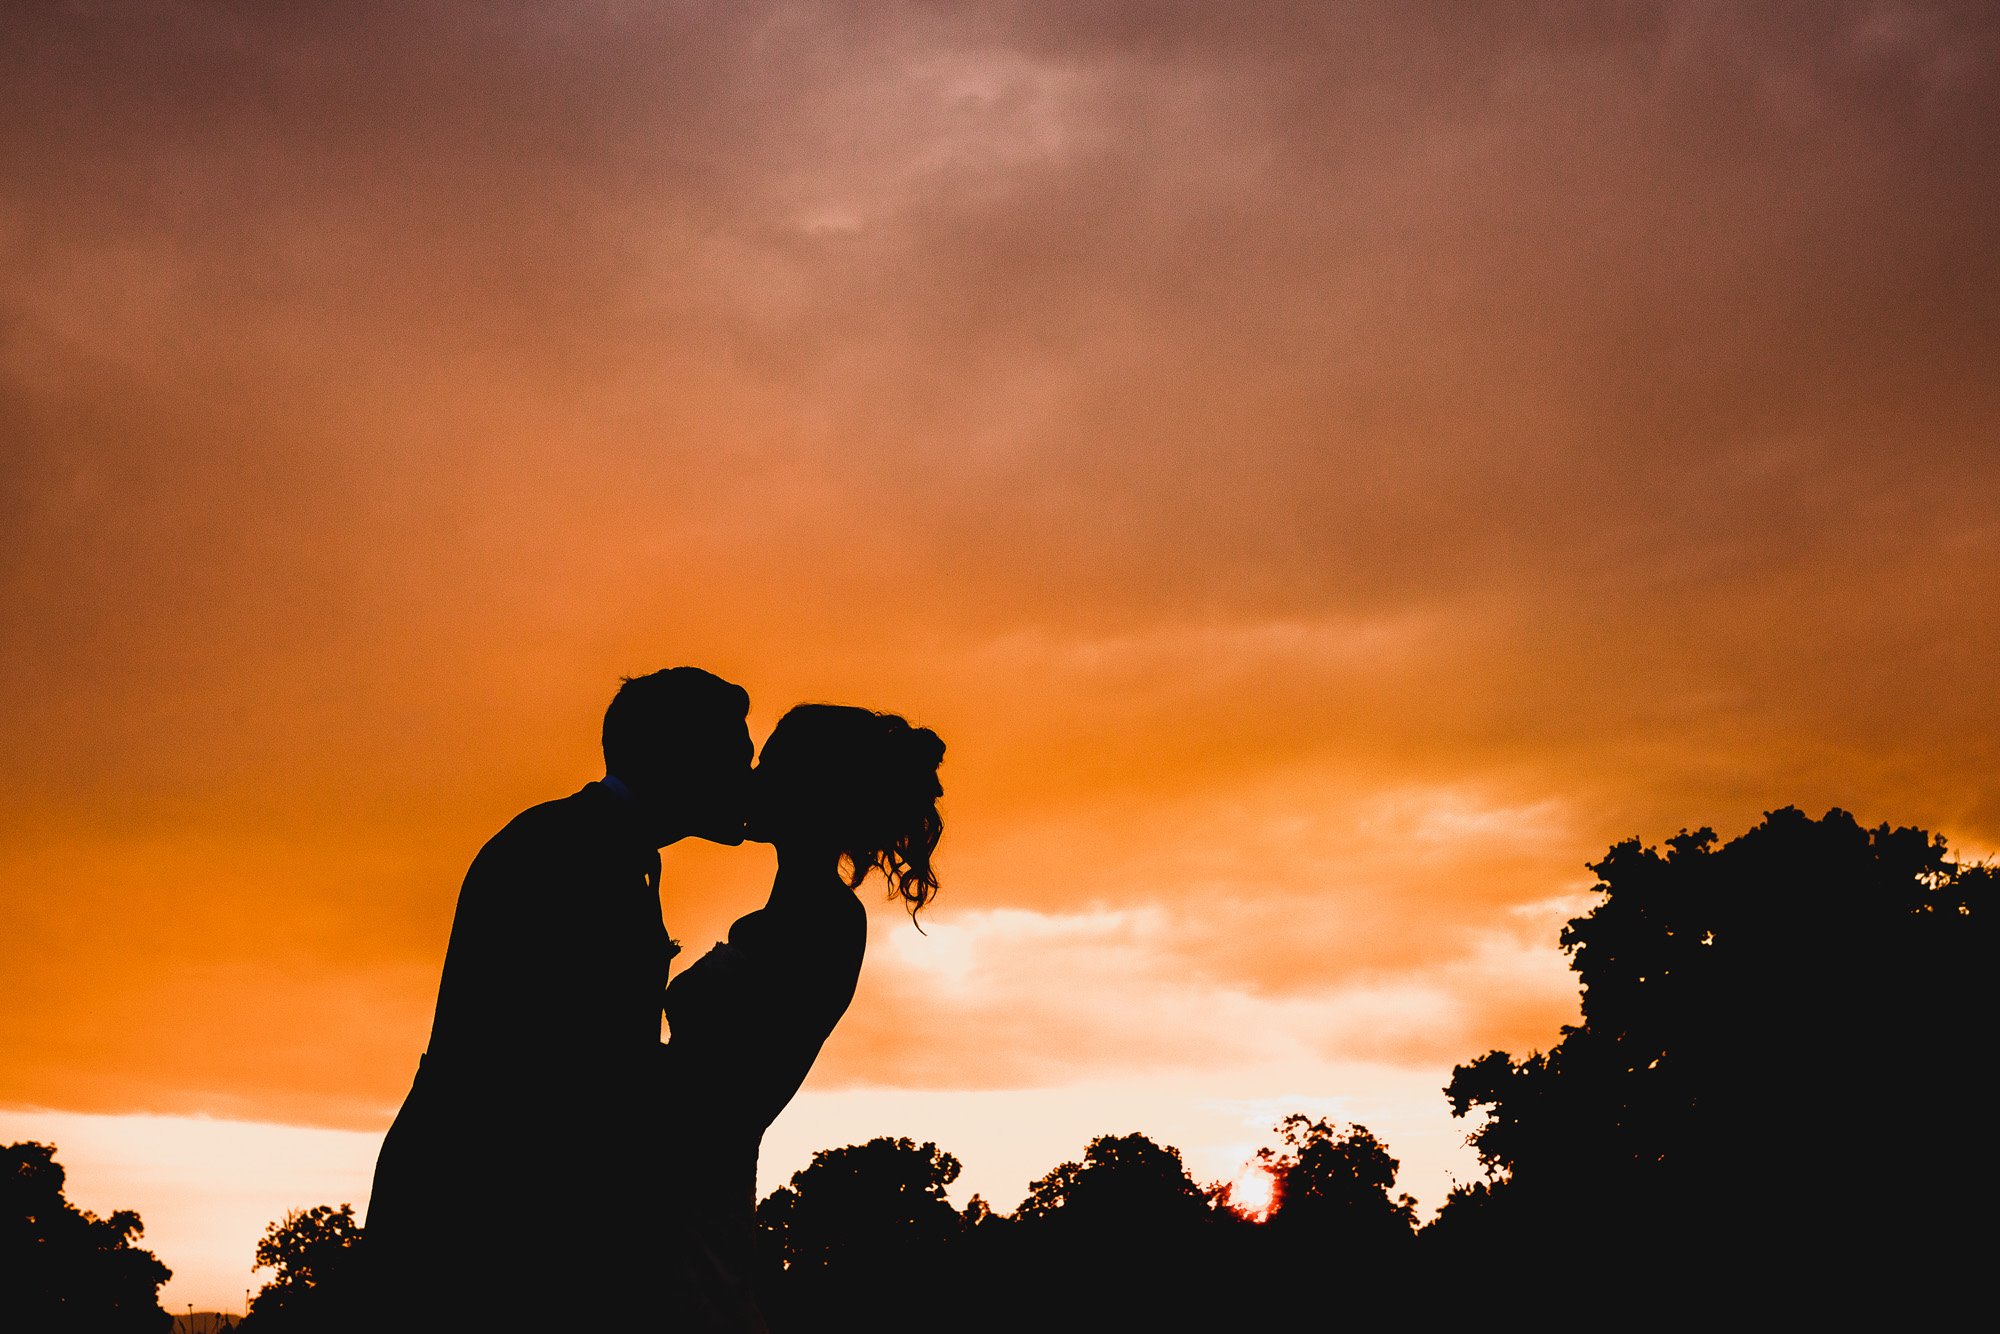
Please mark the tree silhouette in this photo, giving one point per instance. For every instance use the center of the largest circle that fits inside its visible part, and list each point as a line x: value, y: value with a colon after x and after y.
x: 312, y: 1254
x: 1122, y: 1238
x: 1124, y: 1183
x: 1752, y: 1013
x: 860, y: 1237
x: 62, y: 1268
x: 1333, y: 1186
x: 862, y: 1202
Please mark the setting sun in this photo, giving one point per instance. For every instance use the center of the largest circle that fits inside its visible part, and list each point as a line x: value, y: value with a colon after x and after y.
x: 1253, y: 1192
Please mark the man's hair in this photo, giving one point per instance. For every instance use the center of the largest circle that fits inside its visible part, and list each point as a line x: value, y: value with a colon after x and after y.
x: 650, y: 715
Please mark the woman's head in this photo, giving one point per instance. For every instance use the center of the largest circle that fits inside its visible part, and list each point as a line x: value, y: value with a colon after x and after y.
x: 859, y: 784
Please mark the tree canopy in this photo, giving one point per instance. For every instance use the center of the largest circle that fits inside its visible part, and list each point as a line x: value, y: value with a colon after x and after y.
x: 312, y: 1255
x: 885, y: 1198
x: 1750, y: 1010
x: 1334, y: 1185
x: 64, y: 1268
x: 1124, y: 1182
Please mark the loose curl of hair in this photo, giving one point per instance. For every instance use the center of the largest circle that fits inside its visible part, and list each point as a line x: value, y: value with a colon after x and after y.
x: 872, y: 781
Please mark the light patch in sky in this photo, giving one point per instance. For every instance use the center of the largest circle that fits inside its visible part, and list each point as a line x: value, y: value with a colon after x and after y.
x: 205, y: 1189
x: 1023, y: 1133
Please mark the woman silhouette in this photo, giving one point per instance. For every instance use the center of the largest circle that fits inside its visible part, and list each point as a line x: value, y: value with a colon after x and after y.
x: 839, y: 792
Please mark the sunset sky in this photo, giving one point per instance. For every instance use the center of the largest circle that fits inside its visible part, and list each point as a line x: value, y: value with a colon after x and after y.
x: 1327, y: 471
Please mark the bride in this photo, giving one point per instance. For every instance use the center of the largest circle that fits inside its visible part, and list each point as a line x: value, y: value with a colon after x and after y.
x: 839, y: 792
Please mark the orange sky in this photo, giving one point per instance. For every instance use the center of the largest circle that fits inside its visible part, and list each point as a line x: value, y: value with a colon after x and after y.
x: 1325, y: 477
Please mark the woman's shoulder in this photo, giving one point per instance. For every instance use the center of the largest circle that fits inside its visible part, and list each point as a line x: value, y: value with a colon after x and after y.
x: 822, y: 917
x: 769, y: 953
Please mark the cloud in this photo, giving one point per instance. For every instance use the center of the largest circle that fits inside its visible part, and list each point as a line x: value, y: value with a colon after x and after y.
x: 1015, y: 999
x: 1327, y: 476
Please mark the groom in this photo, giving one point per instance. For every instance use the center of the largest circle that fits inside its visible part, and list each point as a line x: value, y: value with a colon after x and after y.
x: 521, y: 1158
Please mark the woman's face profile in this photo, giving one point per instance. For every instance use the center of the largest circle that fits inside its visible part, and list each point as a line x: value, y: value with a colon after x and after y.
x: 797, y: 790
x: 760, y: 822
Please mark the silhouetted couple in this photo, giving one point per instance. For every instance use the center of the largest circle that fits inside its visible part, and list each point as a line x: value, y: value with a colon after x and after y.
x: 555, y: 1162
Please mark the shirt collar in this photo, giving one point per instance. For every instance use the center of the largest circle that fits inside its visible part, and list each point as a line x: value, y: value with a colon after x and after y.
x: 628, y: 818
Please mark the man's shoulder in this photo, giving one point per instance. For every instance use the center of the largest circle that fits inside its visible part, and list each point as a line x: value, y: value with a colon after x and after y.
x: 581, y: 816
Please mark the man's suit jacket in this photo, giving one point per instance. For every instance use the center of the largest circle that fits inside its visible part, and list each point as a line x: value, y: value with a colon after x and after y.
x: 558, y: 957
x: 523, y: 1156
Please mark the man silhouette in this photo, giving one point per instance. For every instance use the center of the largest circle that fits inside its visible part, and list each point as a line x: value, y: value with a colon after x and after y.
x: 519, y: 1179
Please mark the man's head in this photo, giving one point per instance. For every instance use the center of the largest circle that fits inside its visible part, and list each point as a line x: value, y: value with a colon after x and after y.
x: 678, y: 740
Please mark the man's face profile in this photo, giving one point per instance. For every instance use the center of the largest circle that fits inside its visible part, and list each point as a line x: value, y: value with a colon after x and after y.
x: 714, y: 781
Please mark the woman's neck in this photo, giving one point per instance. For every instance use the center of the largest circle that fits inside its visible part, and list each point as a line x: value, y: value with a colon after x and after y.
x: 804, y: 871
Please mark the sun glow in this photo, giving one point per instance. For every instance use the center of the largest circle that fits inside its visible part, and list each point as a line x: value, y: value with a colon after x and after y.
x: 1253, y: 1192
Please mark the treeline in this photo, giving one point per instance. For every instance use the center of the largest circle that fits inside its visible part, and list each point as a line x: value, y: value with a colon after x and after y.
x: 63, y: 1268
x: 1771, y: 1108
x: 1121, y: 1238
x: 1773, y: 1105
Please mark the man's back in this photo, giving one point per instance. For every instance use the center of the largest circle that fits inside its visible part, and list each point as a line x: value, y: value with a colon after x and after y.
x: 522, y: 1156
x: 558, y: 955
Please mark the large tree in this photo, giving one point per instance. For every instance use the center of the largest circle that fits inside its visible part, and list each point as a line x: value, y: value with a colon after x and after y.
x: 312, y: 1255
x: 882, y: 1200
x: 1778, y: 1045
x: 861, y: 1238
x: 1124, y: 1183
x: 62, y: 1268
x: 1332, y: 1185
x: 1120, y: 1239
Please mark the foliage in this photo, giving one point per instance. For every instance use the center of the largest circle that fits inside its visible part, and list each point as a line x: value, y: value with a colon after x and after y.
x: 1335, y: 1185
x: 1120, y: 1239
x: 885, y: 1198
x: 64, y: 1268
x: 1748, y: 1009
x: 313, y: 1255
x: 1123, y: 1182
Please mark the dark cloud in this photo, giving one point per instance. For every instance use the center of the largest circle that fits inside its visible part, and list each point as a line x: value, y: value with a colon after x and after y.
x: 1192, y: 412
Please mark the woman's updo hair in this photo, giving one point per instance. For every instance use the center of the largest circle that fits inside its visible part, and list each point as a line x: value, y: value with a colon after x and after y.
x: 867, y: 783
